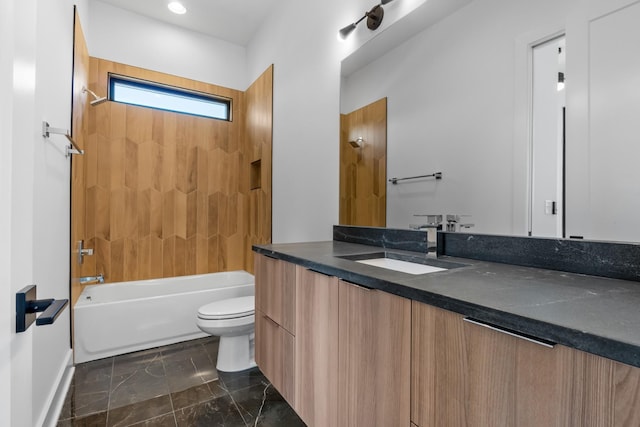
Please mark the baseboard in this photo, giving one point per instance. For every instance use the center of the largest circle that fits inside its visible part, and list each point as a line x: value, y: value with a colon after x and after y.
x: 58, y: 396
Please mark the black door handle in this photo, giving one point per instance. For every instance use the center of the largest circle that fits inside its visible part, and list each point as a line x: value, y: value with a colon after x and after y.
x: 27, y: 306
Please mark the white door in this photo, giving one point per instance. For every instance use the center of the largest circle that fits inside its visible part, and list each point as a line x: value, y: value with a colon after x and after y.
x: 603, y: 125
x: 17, y: 77
x: 547, y: 139
x: 35, y: 84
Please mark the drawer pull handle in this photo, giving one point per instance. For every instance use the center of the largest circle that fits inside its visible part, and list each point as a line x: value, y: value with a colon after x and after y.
x: 529, y: 338
x: 319, y: 272
x: 364, y: 288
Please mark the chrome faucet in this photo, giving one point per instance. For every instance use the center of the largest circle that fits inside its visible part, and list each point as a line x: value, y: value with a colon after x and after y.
x: 432, y: 225
x: 89, y: 279
x: 454, y: 224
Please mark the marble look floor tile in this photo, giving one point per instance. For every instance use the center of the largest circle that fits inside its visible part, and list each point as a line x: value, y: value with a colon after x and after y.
x: 220, y: 412
x: 168, y: 420
x: 138, y: 386
x: 211, y: 347
x: 95, y: 420
x: 93, y: 376
x: 197, y: 394
x: 79, y: 404
x: 179, y: 349
x: 189, y: 368
x: 140, y: 411
x: 267, y: 405
x: 233, y: 381
x: 132, y: 362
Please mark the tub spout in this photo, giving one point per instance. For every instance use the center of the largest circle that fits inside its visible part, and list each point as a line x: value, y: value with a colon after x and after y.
x: 90, y: 279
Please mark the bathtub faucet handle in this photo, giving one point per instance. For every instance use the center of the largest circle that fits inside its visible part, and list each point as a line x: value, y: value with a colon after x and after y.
x: 83, y: 252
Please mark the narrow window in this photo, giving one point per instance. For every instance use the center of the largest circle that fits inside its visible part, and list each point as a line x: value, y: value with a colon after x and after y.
x: 169, y: 98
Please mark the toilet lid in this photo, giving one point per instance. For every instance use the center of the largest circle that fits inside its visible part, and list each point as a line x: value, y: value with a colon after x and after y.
x: 228, y: 308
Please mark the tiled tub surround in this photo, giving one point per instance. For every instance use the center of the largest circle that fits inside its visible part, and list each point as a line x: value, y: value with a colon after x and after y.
x: 590, y: 313
x: 174, y: 385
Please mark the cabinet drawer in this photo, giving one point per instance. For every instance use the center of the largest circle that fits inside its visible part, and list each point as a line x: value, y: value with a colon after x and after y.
x: 274, y: 354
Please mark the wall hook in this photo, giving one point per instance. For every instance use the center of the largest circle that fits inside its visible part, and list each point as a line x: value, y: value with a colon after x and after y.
x: 73, y: 149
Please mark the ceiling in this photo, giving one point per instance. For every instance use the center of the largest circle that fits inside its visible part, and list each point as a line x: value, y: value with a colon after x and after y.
x: 235, y: 21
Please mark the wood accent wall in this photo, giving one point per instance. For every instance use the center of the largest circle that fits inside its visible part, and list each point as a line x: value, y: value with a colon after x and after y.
x: 79, y: 132
x: 259, y: 119
x: 363, y: 170
x: 168, y: 194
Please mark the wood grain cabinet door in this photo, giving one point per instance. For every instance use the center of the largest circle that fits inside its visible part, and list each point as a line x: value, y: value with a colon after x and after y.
x: 275, y: 323
x: 374, y: 358
x: 465, y: 374
x: 438, y: 367
x: 275, y: 290
x: 316, y: 348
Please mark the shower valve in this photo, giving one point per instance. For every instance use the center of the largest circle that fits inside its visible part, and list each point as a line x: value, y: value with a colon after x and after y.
x: 82, y: 252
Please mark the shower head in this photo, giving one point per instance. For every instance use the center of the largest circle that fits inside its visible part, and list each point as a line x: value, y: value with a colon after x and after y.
x: 96, y: 99
x: 357, y: 143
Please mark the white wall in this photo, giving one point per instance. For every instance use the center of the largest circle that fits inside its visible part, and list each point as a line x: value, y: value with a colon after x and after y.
x: 300, y: 40
x: 122, y: 36
x: 451, y: 108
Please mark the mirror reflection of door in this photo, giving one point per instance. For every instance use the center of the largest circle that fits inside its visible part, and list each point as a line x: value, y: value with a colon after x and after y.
x: 546, y: 215
x: 363, y: 165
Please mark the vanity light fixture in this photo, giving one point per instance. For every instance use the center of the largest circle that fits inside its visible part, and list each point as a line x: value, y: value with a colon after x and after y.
x: 357, y: 143
x: 177, y: 8
x: 374, y: 19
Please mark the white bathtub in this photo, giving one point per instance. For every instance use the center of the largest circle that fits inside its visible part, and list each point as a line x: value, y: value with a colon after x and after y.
x: 122, y: 317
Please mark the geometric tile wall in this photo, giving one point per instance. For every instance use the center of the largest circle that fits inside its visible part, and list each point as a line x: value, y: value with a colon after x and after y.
x: 169, y: 194
x: 363, y: 170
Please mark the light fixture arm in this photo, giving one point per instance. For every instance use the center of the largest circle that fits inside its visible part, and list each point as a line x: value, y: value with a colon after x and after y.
x: 374, y: 19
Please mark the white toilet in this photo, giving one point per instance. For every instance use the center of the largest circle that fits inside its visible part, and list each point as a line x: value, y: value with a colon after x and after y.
x: 233, y: 320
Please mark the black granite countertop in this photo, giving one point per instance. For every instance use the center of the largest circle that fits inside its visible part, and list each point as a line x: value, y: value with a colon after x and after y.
x: 599, y: 315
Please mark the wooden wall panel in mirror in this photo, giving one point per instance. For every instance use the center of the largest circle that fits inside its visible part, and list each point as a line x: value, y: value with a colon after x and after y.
x: 363, y: 165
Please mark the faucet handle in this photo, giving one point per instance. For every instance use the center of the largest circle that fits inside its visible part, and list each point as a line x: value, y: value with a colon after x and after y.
x: 454, y: 224
x: 431, y: 219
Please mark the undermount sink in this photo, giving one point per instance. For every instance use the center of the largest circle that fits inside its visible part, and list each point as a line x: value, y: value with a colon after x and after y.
x: 411, y: 264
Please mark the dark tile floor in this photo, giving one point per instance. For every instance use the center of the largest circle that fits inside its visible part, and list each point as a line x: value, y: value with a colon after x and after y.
x: 175, y: 385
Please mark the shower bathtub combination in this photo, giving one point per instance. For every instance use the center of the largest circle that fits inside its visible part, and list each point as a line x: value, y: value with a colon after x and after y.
x: 118, y: 318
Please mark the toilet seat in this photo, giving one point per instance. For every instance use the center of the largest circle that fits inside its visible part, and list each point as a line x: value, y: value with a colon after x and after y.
x: 233, y: 308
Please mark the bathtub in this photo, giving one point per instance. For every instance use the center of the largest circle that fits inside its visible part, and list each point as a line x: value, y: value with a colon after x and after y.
x: 118, y: 318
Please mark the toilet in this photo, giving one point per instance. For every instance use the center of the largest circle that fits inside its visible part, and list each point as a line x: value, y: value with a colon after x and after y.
x: 233, y: 321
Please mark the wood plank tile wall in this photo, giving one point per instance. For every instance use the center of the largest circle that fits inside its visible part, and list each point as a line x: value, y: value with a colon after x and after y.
x: 363, y: 170
x: 79, y: 132
x: 259, y: 116
x: 168, y: 194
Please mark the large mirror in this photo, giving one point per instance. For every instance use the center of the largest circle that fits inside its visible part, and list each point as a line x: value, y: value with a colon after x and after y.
x: 461, y: 100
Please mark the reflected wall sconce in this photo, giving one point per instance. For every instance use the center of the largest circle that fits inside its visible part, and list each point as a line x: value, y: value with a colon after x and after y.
x: 357, y: 143
x: 374, y: 19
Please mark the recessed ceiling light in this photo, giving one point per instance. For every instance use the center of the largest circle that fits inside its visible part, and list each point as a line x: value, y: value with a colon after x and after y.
x: 177, y: 8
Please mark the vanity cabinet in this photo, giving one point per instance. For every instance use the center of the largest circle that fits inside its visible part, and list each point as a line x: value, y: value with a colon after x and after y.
x: 374, y: 334
x: 316, y: 348
x: 352, y: 353
x: 275, y: 323
x: 464, y: 374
